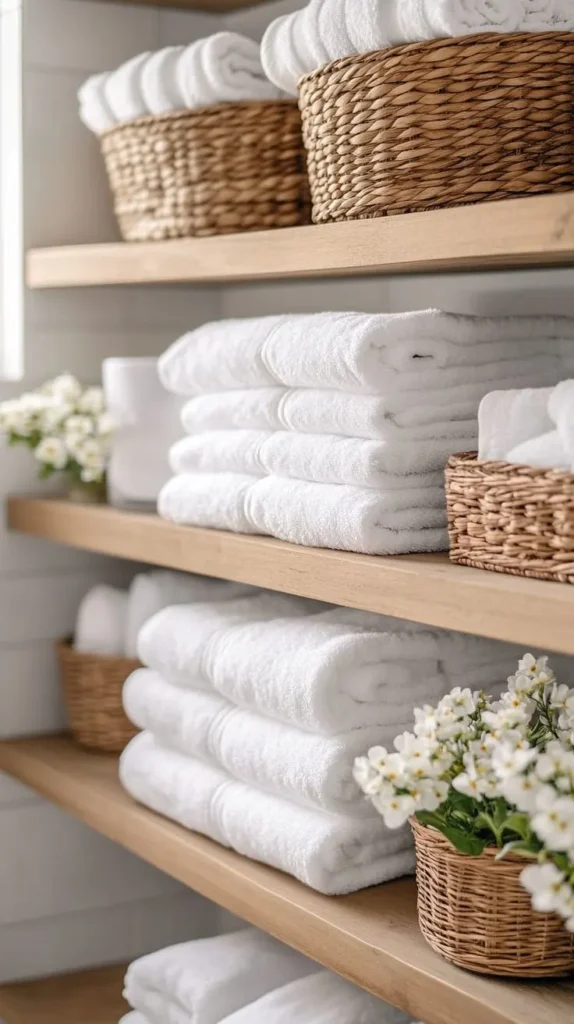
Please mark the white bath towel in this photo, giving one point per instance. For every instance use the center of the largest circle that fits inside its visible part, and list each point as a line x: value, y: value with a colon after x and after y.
x: 123, y: 89
x: 508, y: 418
x: 202, y: 981
x: 301, y: 766
x: 95, y: 110
x: 223, y: 68
x: 544, y: 452
x: 160, y: 88
x: 317, y: 515
x: 561, y: 410
x: 101, y: 621
x: 330, y: 853
x: 363, y: 353
x: 135, y: 1018
x: 151, y: 591
x: 321, y: 998
x: 175, y: 642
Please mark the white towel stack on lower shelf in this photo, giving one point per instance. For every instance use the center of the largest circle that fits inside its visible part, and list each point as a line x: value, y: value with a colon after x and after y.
x: 333, y: 430
x: 254, y: 710
x: 244, y: 978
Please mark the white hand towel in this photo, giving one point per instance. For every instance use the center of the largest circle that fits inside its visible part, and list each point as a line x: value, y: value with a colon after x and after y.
x: 432, y: 19
x: 544, y: 452
x: 359, y: 352
x: 123, y: 89
x: 301, y: 766
x: 95, y: 110
x: 134, y: 1018
x: 563, y: 16
x: 175, y: 642
x: 508, y: 418
x: 537, y: 15
x: 202, y: 981
x: 322, y: 998
x: 223, y: 68
x: 335, y: 32
x: 101, y: 621
x: 159, y: 85
x: 150, y: 592
x: 279, y: 56
x: 328, y: 852
x: 307, y: 26
x: 561, y: 409
x: 372, y: 25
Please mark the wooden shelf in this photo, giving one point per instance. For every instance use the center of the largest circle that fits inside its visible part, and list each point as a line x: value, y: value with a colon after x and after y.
x: 537, y: 231
x: 371, y: 937
x: 88, y: 997
x: 421, y: 588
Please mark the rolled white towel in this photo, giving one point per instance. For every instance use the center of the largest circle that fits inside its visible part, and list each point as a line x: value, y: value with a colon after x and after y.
x: 123, y: 89
x: 134, y: 1018
x: 202, y: 981
x: 328, y: 852
x: 281, y: 58
x: 563, y: 16
x: 372, y: 25
x: 544, y: 452
x: 334, y: 30
x: 223, y: 68
x: 151, y: 591
x: 159, y: 84
x: 561, y: 409
x: 95, y: 110
x: 307, y: 32
x: 322, y: 998
x: 538, y: 15
x: 508, y: 418
x: 101, y: 621
x: 434, y: 19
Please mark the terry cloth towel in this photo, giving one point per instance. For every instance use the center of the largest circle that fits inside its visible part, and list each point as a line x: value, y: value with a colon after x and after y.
x: 327, y: 672
x: 135, y: 1018
x: 281, y: 58
x: 95, y: 111
x: 123, y: 90
x: 223, y: 68
x: 362, y: 353
x: 328, y: 852
x: 322, y: 998
x: 150, y: 592
x: 561, y: 409
x: 202, y: 981
x: 317, y: 515
x: 544, y: 452
x: 508, y: 418
x: 434, y: 19
x: 386, y: 465
x: 175, y: 641
x: 160, y: 88
x: 101, y: 621
x: 301, y: 766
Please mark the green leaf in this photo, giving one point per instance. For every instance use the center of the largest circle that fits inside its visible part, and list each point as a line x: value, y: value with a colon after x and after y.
x: 517, y: 823
x: 463, y: 842
x: 520, y: 846
x: 430, y: 818
x: 463, y: 803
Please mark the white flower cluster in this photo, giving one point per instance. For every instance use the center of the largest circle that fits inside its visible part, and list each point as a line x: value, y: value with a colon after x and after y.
x: 67, y: 427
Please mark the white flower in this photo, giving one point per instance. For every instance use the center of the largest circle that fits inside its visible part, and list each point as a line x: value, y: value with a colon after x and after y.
x: 508, y: 760
x: 369, y: 780
x: 92, y: 401
x: 433, y: 793
x: 52, y: 452
x: 66, y: 387
x: 521, y: 790
x: 105, y: 424
x: 79, y: 426
x: 469, y: 784
x: 553, y: 820
x: 15, y: 418
x: 395, y: 809
x: 554, y: 761
x: 547, y: 886
x: 425, y: 722
x: 91, y: 456
x: 54, y: 414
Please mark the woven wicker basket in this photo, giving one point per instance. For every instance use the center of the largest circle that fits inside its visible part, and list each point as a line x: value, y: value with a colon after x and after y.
x: 511, y: 518
x: 92, y: 686
x: 440, y: 123
x: 233, y: 167
x: 476, y: 914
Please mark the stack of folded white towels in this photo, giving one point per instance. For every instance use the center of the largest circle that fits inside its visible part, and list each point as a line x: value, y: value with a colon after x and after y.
x: 245, y: 977
x: 326, y: 30
x: 333, y: 429
x: 223, y: 68
x: 254, y: 709
x: 531, y: 426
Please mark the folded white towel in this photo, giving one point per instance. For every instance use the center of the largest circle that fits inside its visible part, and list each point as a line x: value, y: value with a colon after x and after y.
x: 101, y: 621
x: 95, y: 110
x: 561, y: 409
x: 123, y: 89
x: 223, y: 68
x: 328, y: 852
x: 159, y: 84
x: 321, y: 998
x: 508, y: 418
x: 134, y: 1018
x: 151, y: 591
x: 360, y: 352
x: 544, y: 452
x: 301, y: 766
x: 202, y: 981
x: 316, y: 515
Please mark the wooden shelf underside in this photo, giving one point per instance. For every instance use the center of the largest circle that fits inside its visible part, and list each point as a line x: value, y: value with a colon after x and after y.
x: 371, y: 937
x: 421, y: 588
x: 86, y: 997
x: 536, y: 231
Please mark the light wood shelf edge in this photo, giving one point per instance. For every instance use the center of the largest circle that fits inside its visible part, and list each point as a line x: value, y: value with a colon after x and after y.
x: 536, y: 231
x: 421, y: 588
x: 371, y: 937
x: 84, y: 997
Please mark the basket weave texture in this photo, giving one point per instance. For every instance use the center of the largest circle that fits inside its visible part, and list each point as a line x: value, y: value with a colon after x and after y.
x: 440, y: 123
x: 511, y: 518
x: 233, y: 167
x: 474, y: 912
x: 92, y: 685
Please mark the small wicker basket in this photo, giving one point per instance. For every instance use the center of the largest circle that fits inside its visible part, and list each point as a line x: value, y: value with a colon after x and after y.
x: 511, y: 518
x: 474, y: 912
x: 232, y: 167
x: 440, y: 123
x: 92, y: 686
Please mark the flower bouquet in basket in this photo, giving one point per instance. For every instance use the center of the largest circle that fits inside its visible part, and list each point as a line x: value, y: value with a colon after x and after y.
x: 68, y: 429
x: 488, y: 787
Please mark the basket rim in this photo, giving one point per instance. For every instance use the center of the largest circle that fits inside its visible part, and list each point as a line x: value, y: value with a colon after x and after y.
x: 66, y: 647
x: 466, y: 458
x: 186, y: 114
x: 500, y: 40
x: 489, y: 853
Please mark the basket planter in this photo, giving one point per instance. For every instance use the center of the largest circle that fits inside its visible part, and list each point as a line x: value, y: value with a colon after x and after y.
x: 92, y: 686
x: 511, y: 518
x: 440, y: 123
x: 232, y: 167
x: 474, y: 912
